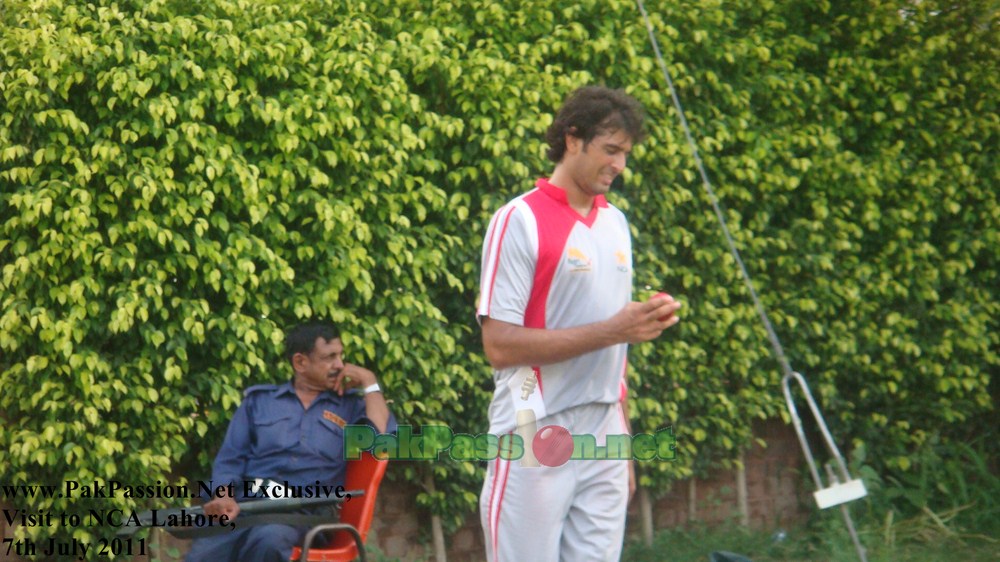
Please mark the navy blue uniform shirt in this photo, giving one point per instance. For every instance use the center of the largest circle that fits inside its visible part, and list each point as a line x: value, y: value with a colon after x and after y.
x: 272, y: 436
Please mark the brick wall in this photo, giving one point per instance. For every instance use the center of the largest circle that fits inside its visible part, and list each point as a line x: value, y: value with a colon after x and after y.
x: 774, y: 499
x: 773, y: 480
x: 401, y: 528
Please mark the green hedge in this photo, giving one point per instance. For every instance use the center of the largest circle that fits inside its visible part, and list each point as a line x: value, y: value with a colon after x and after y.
x: 179, y: 182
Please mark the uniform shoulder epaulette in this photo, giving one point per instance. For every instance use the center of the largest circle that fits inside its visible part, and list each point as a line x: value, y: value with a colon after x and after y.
x: 258, y: 388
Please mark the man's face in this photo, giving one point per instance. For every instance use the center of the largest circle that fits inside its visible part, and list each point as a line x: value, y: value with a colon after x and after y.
x: 319, y: 368
x: 596, y: 164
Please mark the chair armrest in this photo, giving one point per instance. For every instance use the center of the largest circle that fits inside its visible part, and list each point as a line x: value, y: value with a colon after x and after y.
x: 311, y: 535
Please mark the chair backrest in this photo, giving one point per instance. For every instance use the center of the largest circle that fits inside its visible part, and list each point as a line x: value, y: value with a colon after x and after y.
x: 363, y: 474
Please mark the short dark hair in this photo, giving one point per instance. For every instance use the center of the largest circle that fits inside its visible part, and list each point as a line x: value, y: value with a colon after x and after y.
x: 590, y: 111
x: 302, y: 338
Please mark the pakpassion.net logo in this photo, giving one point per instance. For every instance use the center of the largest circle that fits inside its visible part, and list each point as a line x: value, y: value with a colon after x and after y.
x: 552, y: 445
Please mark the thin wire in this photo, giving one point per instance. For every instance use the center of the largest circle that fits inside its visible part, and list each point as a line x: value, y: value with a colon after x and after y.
x: 775, y: 342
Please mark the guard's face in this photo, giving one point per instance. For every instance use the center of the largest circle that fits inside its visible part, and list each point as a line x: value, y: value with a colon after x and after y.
x: 319, y: 368
x: 596, y: 164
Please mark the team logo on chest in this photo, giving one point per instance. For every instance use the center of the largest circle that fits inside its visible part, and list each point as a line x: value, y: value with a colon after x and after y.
x: 576, y: 260
x: 621, y: 260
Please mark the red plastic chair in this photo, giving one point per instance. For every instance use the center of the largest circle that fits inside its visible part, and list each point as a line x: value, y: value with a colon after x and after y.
x: 356, y: 515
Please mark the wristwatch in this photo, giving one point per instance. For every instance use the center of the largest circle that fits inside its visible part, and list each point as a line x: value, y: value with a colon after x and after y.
x: 374, y: 387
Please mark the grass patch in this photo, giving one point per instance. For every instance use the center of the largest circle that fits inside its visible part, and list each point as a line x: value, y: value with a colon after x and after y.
x: 931, y: 537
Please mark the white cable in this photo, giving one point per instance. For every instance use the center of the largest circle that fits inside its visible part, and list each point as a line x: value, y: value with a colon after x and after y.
x: 775, y: 342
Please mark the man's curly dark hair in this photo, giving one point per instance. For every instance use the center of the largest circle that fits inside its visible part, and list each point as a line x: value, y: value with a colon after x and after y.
x: 590, y: 111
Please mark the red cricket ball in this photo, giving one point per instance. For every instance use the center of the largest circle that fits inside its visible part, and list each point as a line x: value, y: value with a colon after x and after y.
x: 661, y: 294
x: 552, y: 445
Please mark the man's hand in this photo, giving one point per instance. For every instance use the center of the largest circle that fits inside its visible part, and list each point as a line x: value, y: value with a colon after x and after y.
x: 639, y: 322
x: 222, y: 506
x: 510, y: 345
x: 353, y: 376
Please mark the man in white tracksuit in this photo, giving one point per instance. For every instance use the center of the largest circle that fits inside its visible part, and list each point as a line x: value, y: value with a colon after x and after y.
x: 557, y: 316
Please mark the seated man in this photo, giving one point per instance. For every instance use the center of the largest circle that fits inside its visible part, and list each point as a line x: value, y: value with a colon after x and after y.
x: 294, y: 433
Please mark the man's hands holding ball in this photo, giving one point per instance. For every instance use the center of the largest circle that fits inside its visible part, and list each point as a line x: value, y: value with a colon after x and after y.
x: 640, y: 322
x: 670, y: 306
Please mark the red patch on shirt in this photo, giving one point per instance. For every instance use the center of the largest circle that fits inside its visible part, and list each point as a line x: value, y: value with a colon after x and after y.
x: 328, y: 415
